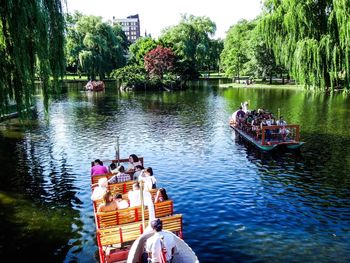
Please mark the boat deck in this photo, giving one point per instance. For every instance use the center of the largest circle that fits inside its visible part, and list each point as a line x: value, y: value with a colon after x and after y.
x: 275, y: 140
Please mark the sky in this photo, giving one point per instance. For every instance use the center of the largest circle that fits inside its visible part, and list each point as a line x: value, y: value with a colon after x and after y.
x: 156, y: 15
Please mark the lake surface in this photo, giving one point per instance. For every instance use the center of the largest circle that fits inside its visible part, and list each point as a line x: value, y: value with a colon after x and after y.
x: 238, y: 204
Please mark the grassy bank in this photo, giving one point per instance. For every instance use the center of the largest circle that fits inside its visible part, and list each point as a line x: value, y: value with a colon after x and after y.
x: 259, y: 84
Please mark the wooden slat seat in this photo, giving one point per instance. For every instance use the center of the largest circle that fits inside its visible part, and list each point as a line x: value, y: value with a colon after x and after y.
x: 130, y: 232
x: 121, y: 188
x: 131, y: 214
x: 95, y: 178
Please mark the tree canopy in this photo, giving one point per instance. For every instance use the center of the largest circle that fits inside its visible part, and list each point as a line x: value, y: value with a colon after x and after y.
x: 190, y: 41
x: 159, y: 61
x: 96, y: 47
x: 31, y: 42
x: 310, y: 38
x: 139, y: 49
x: 236, y: 48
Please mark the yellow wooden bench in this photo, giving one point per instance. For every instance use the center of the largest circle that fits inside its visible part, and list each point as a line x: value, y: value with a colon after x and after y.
x: 130, y: 232
x: 131, y: 214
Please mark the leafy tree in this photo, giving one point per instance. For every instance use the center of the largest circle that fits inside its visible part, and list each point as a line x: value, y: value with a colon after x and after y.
x: 310, y: 38
x: 96, y: 47
x: 190, y: 42
x: 140, y: 48
x: 236, y: 48
x: 131, y: 76
x: 31, y: 40
x: 159, y: 61
x: 212, y: 62
x: 262, y: 62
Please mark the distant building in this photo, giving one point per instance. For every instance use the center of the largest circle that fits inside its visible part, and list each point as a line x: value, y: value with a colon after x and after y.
x: 130, y: 26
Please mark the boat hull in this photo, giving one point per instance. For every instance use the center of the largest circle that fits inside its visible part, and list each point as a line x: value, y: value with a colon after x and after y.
x: 293, y: 145
x: 183, y: 253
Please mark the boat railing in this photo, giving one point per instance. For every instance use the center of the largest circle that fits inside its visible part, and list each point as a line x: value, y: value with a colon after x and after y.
x: 289, y: 133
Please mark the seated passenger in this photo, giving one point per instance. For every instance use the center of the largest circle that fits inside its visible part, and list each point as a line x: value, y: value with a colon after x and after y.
x: 113, y: 168
x: 148, y: 179
x: 267, y: 132
x: 108, y: 203
x: 161, y: 196
x: 120, y: 177
x: 133, y: 161
x: 138, y: 170
x: 283, y: 131
x: 100, y: 189
x: 135, y: 197
x: 98, y: 168
x: 121, y: 203
x: 240, y: 116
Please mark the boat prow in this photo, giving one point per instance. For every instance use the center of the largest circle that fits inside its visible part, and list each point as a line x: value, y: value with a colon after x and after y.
x: 295, y: 146
x: 183, y: 253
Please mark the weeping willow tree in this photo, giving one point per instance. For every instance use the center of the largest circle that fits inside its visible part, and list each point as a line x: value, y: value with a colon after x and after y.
x: 311, y: 38
x: 31, y: 44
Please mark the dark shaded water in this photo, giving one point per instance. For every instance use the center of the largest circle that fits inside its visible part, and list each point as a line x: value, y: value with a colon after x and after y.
x: 238, y: 204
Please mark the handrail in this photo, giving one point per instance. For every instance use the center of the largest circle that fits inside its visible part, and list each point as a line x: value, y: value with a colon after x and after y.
x: 274, y: 127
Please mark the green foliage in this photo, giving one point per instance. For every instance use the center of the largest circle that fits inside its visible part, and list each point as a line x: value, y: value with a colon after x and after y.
x: 310, y: 38
x: 236, y: 50
x: 131, y: 76
x: 139, y: 49
x: 190, y: 42
x: 94, y: 47
x: 31, y: 40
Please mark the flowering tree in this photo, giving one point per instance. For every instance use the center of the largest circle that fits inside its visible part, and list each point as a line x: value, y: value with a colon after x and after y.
x: 159, y: 61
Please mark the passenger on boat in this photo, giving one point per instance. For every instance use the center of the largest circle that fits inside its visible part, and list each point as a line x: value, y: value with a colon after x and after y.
x: 100, y: 189
x: 161, y: 196
x: 256, y: 127
x: 240, y: 117
x: 161, y: 246
x: 121, y: 203
x: 138, y: 170
x: 108, y: 203
x: 135, y: 198
x: 283, y: 131
x: 267, y: 132
x: 120, y: 177
x: 98, y: 168
x: 148, y: 179
x: 133, y: 161
x: 113, y: 168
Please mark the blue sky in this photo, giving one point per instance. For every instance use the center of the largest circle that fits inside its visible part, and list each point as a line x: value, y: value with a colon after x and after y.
x: 158, y: 14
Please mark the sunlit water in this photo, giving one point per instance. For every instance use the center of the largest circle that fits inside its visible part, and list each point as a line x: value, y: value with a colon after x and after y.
x: 238, y: 204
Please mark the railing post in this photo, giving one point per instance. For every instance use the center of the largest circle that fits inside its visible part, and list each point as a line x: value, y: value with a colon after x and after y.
x: 297, y: 135
x: 263, y: 135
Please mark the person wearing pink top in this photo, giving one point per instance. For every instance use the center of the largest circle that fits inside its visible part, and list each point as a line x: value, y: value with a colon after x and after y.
x: 98, y: 168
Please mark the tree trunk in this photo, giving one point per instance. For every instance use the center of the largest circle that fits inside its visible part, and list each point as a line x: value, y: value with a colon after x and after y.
x: 270, y: 77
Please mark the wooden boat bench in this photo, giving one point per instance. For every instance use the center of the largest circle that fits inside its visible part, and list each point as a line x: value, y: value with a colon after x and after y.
x: 113, y: 241
x: 130, y: 232
x: 131, y: 214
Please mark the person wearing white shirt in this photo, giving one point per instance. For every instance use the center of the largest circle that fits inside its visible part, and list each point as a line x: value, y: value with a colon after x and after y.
x: 162, y: 242
x: 148, y: 179
x: 100, y: 190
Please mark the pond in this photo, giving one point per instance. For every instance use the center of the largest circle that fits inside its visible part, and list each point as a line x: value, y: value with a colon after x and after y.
x: 238, y: 204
